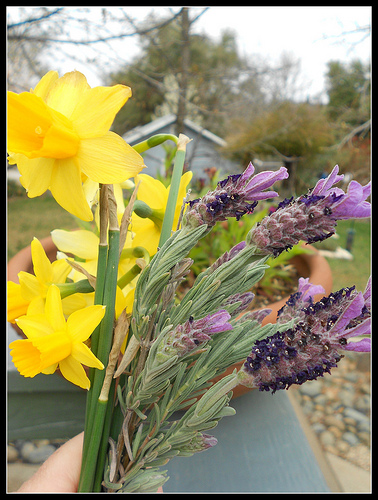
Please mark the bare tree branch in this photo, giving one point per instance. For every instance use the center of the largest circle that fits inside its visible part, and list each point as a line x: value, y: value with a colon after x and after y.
x: 23, y: 37
x: 352, y: 133
x: 34, y: 19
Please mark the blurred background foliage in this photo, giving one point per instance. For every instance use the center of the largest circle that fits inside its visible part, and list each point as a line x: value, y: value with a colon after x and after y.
x: 244, y: 99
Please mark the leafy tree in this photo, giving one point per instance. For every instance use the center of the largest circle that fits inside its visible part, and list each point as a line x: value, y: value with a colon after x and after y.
x: 286, y: 130
x: 348, y: 88
x: 155, y: 76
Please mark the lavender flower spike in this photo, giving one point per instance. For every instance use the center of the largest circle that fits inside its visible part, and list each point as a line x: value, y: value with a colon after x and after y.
x: 313, y: 346
x: 311, y: 217
x: 198, y: 443
x: 257, y: 183
x: 299, y: 300
x: 189, y: 336
x: 351, y: 205
x: 233, y: 197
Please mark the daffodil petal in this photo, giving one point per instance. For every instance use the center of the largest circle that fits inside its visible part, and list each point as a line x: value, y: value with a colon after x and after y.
x: 36, y: 131
x: 185, y: 179
x: 76, y: 301
x: 60, y: 270
x: 67, y: 189
x: 81, y: 324
x: 73, y: 371
x: 35, y: 173
x: 35, y: 326
x: 108, y: 159
x: 36, y: 307
x: 54, y: 309
x: 30, y: 286
x: 16, y: 304
x: 44, y: 85
x: 82, y: 243
x: 66, y: 93
x: 50, y: 369
x: 84, y: 355
x: 152, y: 191
x: 95, y: 112
x: 91, y: 191
x: 41, y: 264
x: 53, y: 348
x: 147, y: 235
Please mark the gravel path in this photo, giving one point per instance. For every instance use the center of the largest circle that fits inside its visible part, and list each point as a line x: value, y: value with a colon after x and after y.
x: 338, y: 409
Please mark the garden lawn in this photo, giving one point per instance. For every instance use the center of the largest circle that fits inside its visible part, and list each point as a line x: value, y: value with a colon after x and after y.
x: 356, y: 271
x: 29, y: 217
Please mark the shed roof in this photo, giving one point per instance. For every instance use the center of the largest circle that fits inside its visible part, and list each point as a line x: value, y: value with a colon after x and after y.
x: 138, y: 133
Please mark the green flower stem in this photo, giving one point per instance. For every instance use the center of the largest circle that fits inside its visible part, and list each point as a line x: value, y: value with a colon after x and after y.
x: 95, y: 431
x: 105, y: 438
x: 136, y: 253
x: 153, y: 141
x: 99, y: 292
x: 90, y: 452
x: 100, y: 280
x: 174, y: 189
x: 82, y: 286
x: 129, y: 276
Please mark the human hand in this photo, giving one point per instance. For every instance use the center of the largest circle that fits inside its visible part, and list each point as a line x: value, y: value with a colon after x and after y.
x: 61, y: 471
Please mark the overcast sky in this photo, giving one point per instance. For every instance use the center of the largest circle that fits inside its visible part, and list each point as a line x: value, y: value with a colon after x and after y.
x: 309, y: 33
x: 315, y: 35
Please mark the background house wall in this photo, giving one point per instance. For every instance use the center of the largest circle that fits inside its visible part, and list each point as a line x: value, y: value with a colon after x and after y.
x: 204, y: 151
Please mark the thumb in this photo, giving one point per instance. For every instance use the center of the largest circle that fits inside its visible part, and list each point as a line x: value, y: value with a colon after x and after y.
x: 61, y: 471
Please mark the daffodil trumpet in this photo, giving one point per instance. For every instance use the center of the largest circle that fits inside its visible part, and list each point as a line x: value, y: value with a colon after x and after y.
x: 58, y: 135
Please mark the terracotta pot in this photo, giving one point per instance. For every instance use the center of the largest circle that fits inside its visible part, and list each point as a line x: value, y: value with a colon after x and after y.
x: 22, y: 261
x: 312, y: 266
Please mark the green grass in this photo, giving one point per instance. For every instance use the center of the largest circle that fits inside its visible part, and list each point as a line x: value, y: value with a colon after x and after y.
x: 39, y: 216
x: 29, y: 217
x: 356, y: 271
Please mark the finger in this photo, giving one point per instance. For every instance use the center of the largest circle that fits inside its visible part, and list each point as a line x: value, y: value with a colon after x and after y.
x: 61, y: 471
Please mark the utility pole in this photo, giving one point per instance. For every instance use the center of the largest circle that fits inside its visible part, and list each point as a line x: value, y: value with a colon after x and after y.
x: 185, y: 62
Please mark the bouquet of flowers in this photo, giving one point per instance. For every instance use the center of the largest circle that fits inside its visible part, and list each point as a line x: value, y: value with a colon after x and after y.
x: 110, y: 320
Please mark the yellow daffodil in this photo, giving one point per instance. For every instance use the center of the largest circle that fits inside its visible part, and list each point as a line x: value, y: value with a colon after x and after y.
x: 81, y: 243
x: 155, y: 194
x: 53, y: 342
x: 17, y: 305
x: 84, y: 244
x: 34, y: 286
x: 58, y: 135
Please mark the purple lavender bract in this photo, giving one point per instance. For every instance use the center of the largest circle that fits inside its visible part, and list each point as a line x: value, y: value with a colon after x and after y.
x: 311, y: 217
x: 233, y: 197
x: 312, y: 347
x: 190, y: 335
